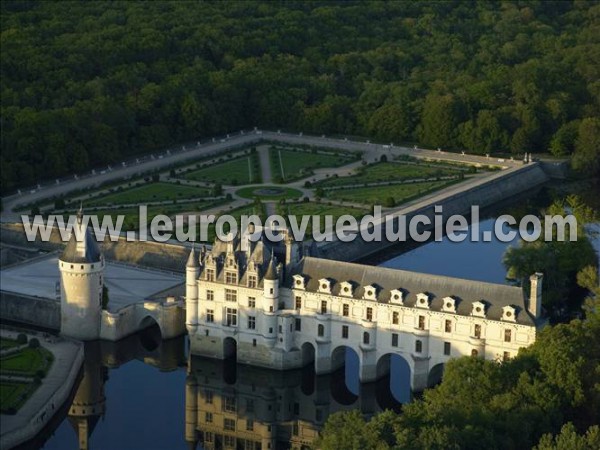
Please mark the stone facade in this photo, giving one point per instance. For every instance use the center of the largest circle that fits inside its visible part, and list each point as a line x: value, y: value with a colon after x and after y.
x: 303, y: 310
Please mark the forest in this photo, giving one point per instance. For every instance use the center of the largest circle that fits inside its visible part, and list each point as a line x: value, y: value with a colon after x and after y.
x: 84, y: 84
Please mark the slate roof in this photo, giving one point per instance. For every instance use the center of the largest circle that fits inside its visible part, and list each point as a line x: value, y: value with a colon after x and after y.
x: 91, y: 252
x: 464, y: 292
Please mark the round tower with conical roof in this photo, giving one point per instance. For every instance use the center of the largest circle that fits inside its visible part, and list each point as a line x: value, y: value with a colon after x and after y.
x: 81, y: 284
x: 192, y: 271
x: 271, y: 286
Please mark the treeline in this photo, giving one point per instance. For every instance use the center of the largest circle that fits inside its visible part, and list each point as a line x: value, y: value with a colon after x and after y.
x: 90, y: 83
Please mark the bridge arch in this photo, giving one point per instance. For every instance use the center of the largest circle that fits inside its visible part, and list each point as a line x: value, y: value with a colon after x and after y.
x: 436, y: 373
x: 308, y: 353
x: 346, y: 365
x: 394, y: 374
x: 149, y: 333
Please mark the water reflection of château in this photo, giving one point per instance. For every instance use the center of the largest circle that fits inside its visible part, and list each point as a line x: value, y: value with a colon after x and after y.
x: 89, y: 404
x: 236, y: 406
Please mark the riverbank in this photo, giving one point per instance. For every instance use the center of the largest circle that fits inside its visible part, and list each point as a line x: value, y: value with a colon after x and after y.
x: 54, y: 390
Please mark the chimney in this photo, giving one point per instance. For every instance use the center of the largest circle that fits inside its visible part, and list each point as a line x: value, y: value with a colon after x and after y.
x: 535, y: 294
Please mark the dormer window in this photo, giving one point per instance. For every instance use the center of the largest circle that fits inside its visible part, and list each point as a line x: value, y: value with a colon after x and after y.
x: 299, y: 282
x: 422, y: 300
x: 478, y: 309
x: 346, y: 289
x: 230, y: 278
x: 370, y: 293
x: 396, y: 297
x: 449, y: 305
x: 508, y: 314
x: 325, y: 285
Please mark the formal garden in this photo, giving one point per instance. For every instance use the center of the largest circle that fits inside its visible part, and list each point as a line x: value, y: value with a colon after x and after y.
x: 23, y: 365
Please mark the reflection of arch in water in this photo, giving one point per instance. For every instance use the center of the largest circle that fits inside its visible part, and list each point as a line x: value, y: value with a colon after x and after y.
x: 308, y: 368
x: 230, y: 360
x: 435, y: 375
x: 150, y: 333
x: 345, y: 384
x: 393, y: 385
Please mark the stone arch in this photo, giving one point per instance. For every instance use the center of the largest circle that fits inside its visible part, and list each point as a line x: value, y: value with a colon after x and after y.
x: 230, y: 348
x: 435, y: 375
x: 394, y: 374
x: 149, y: 333
x: 346, y: 364
x: 230, y: 360
x: 308, y: 353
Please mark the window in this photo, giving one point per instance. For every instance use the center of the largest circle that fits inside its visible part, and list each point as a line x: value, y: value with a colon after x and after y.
x: 210, y: 295
x: 271, y: 330
x: 446, y: 348
x: 270, y: 309
x: 208, y: 417
x: 320, y: 330
x: 298, y: 324
x: 298, y: 302
x: 231, y: 317
x: 251, y: 322
x: 421, y: 322
x: 418, y: 346
x: 229, y: 424
x: 251, y: 302
x: 208, y: 437
x: 448, y: 326
x: 366, y: 338
x: 345, y: 310
x: 210, y: 315
x: 230, y: 295
x: 253, y: 342
x: 394, y: 339
x: 395, y: 318
x: 210, y: 274
x: 478, y: 331
x: 209, y: 397
x: 295, y: 429
x: 229, y: 441
x: 506, y: 356
x: 249, y: 424
x: 507, y: 335
x: 474, y: 353
x: 230, y: 278
x: 345, y: 331
x: 229, y: 404
x: 252, y: 282
x: 369, y: 314
x: 324, y: 307
x: 249, y: 405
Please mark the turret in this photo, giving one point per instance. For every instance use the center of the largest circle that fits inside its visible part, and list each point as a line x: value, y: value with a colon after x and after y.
x: 271, y: 286
x: 535, y: 295
x: 81, y: 268
x: 192, y: 272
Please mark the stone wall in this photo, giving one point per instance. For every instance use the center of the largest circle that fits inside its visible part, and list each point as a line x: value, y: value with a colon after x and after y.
x: 484, y: 192
x: 39, y: 312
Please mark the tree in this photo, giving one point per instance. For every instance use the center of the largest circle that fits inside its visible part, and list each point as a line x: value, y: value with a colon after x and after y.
x: 441, y: 115
x: 587, y: 147
x: 568, y: 439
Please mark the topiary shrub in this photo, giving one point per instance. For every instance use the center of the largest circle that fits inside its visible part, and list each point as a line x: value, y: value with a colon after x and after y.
x: 22, y: 338
x: 34, y: 343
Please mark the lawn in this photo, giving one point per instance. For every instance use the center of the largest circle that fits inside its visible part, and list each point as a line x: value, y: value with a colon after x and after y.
x: 379, y: 195
x: 7, y: 343
x: 318, y: 209
x: 269, y: 192
x: 288, y: 165
x: 151, y: 192
x: 13, y: 395
x: 389, y: 171
x: 234, y: 172
x: 28, y: 361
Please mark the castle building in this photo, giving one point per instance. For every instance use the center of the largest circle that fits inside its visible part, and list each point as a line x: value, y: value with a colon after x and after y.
x: 241, y: 301
x: 81, y: 268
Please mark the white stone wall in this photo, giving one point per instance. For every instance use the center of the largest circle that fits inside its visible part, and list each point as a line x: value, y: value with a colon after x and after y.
x: 81, y: 299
